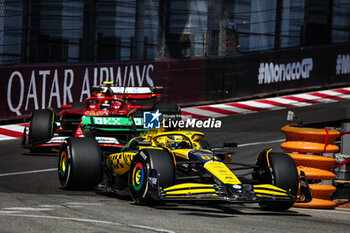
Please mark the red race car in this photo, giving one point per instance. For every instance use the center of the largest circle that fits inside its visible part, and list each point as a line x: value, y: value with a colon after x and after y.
x: 109, y: 104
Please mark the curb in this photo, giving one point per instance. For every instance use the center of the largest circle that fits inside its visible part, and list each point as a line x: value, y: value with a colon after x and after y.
x: 268, y: 104
x: 342, y: 204
x: 14, y: 131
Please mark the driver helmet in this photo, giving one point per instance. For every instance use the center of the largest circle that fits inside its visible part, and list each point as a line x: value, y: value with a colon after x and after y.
x: 172, y: 144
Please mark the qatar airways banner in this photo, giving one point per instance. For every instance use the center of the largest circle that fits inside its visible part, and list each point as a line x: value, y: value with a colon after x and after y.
x: 194, y: 81
x: 29, y: 87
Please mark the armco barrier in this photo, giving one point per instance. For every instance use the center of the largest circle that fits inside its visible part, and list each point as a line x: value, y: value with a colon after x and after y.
x: 301, y: 140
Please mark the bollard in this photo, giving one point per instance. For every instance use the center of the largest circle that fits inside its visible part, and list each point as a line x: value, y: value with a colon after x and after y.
x: 306, y: 145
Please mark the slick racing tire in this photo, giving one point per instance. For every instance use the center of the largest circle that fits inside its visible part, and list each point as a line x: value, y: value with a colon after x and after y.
x: 283, y: 174
x: 80, y: 164
x: 41, y: 128
x: 150, y: 163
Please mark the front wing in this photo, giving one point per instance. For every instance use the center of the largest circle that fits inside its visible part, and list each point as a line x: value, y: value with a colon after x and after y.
x: 216, y: 192
x: 56, y: 142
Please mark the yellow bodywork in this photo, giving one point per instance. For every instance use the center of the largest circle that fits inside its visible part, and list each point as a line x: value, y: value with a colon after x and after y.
x: 270, y: 190
x: 120, y: 162
x: 189, y: 189
x: 221, y: 171
x: 182, y: 153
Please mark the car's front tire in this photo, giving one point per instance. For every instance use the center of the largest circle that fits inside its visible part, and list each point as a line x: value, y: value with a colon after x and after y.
x: 283, y: 174
x: 145, y: 161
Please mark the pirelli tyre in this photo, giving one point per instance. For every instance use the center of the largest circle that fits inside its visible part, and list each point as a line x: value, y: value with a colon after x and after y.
x: 280, y: 171
x: 146, y: 163
x: 41, y: 128
x: 80, y: 164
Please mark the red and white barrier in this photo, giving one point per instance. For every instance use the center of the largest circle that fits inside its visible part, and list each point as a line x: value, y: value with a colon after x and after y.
x: 268, y: 104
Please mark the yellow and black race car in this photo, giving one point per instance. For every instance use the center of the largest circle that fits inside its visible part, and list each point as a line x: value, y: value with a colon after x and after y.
x: 180, y: 166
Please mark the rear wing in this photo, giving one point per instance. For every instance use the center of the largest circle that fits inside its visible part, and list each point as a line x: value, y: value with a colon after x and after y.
x: 136, y: 93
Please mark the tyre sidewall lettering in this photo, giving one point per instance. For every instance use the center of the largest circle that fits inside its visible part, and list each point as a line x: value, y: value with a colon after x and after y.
x: 66, y: 177
x: 142, y: 190
x: 143, y: 155
x: 146, y: 181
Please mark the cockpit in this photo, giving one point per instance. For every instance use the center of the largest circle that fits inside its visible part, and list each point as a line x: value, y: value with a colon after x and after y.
x: 174, y: 141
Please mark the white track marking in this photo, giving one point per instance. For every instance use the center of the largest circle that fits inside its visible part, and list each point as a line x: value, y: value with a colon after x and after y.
x: 50, y: 206
x: 331, y: 211
x: 260, y: 143
x: 9, y: 212
x: 28, y: 209
x: 88, y: 220
x: 28, y: 172
x: 83, y: 203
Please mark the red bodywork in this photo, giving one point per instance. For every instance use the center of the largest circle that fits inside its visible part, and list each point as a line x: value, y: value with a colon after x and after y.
x: 118, y: 103
x: 99, y: 106
x: 105, y: 101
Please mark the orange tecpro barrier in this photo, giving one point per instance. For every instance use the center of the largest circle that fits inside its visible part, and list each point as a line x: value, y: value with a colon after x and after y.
x: 310, y: 143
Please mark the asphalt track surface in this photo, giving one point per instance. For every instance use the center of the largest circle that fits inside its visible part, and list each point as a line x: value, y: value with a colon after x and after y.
x: 31, y: 201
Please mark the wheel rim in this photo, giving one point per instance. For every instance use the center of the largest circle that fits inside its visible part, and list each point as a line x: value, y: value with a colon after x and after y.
x: 137, y: 176
x: 63, y: 164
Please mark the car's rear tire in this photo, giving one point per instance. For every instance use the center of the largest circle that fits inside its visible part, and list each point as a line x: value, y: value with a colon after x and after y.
x: 144, y: 162
x: 41, y: 128
x: 80, y: 164
x: 283, y: 174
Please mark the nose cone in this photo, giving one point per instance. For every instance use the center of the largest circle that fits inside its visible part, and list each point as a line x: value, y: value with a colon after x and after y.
x: 240, y: 192
x: 236, y: 189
